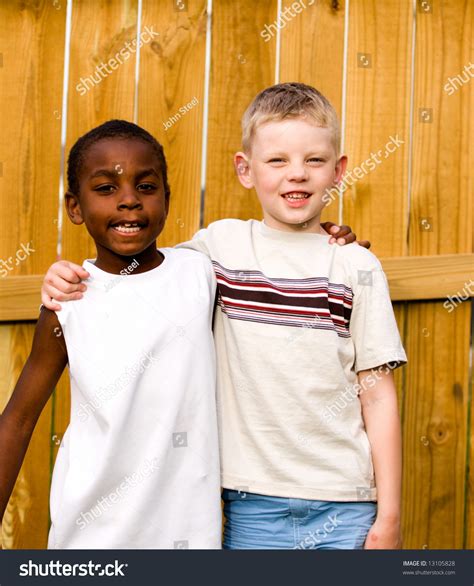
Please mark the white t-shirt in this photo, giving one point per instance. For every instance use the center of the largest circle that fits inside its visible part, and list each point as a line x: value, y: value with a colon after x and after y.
x: 138, y: 466
x: 296, y: 319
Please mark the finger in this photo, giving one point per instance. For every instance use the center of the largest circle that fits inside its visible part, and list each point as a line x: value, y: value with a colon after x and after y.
x: 68, y: 271
x: 341, y: 231
x: 329, y: 227
x: 58, y: 295
x: 364, y: 243
x: 48, y: 302
x: 62, y: 285
x: 79, y: 270
x: 348, y: 239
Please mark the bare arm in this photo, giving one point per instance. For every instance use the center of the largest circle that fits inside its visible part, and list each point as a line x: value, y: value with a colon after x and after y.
x: 382, y: 422
x: 38, y: 378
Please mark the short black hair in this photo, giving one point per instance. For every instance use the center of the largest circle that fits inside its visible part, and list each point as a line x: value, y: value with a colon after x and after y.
x: 111, y: 129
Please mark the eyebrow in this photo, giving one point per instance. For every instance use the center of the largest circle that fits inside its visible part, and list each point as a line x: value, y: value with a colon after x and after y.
x: 315, y: 153
x: 113, y: 174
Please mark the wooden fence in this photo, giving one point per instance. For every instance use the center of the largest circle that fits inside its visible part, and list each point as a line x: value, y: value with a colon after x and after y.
x: 397, y: 69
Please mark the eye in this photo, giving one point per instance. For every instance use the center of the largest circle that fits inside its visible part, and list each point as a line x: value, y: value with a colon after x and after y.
x: 147, y: 187
x: 276, y: 160
x: 316, y: 160
x: 105, y: 188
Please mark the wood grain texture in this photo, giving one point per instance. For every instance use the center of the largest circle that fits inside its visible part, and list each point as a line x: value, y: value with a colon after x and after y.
x: 468, y: 542
x: 243, y: 64
x: 378, y: 100
x: 171, y: 78
x: 434, y: 431
x: 26, y: 520
x: 443, y: 150
x: 32, y: 48
x: 31, y: 74
x: 20, y: 297
x: 444, y: 276
x: 436, y: 393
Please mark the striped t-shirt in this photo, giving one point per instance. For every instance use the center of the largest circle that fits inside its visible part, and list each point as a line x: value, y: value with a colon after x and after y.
x: 296, y: 319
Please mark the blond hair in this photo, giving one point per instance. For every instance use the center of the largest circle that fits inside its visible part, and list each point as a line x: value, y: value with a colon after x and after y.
x: 289, y: 100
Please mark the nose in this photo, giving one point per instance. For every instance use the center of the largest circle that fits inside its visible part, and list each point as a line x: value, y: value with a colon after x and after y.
x: 128, y: 199
x: 297, y: 172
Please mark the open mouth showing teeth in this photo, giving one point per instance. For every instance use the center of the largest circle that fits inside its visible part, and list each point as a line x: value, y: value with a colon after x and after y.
x: 128, y: 228
x: 295, y: 196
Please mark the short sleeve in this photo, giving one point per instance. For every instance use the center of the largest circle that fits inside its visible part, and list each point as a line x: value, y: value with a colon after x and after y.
x: 199, y: 242
x: 373, y: 326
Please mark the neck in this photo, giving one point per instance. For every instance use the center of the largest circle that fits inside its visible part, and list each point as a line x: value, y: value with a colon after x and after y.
x: 114, y: 263
x: 312, y: 226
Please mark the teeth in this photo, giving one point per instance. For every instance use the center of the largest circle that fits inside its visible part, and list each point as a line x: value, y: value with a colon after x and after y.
x: 295, y: 196
x: 127, y: 228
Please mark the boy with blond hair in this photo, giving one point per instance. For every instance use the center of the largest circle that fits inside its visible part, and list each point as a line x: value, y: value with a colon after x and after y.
x: 299, y: 324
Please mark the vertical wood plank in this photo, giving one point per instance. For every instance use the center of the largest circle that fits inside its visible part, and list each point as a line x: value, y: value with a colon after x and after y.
x: 31, y: 73
x: 378, y: 101
x: 30, y: 93
x: 26, y: 521
x: 435, y: 426
x: 468, y: 542
x: 243, y: 64
x: 171, y: 102
x: 436, y: 394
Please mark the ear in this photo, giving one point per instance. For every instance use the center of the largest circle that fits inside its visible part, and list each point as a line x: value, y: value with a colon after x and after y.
x: 340, y: 169
x: 242, y: 168
x: 73, y: 208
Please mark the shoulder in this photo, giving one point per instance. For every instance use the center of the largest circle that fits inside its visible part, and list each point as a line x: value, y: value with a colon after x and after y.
x: 181, y: 257
x: 357, y: 257
x: 229, y: 227
x: 362, y: 269
x: 48, y: 333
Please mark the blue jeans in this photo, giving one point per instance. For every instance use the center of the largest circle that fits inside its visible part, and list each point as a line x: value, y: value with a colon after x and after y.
x: 254, y: 521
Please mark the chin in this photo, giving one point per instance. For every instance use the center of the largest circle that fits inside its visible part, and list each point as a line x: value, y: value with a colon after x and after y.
x: 297, y: 221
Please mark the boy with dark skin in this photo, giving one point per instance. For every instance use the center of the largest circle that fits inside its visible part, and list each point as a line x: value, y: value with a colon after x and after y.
x: 124, y: 208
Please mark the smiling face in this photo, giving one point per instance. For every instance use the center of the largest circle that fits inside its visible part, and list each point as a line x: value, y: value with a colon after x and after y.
x: 291, y: 166
x: 121, y: 201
